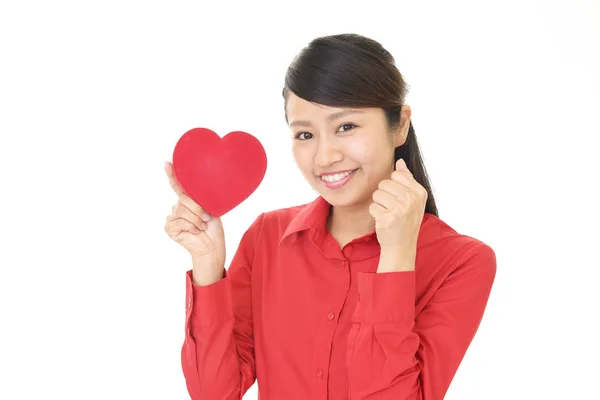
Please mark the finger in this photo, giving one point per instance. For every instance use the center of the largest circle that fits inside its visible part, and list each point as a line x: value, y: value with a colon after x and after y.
x: 183, y: 212
x: 181, y: 225
x: 414, y: 188
x: 394, y: 188
x: 177, y: 227
x: 182, y: 236
x: 404, y: 178
x: 201, y: 226
x: 385, y: 199
x: 194, y: 207
x: 377, y: 211
x: 401, y: 165
x: 173, y: 179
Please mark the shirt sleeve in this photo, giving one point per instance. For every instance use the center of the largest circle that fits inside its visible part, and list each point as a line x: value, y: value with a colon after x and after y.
x: 393, y: 353
x: 218, y: 350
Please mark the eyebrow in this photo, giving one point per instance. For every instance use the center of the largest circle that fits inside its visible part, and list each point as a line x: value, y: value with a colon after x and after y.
x: 330, y: 117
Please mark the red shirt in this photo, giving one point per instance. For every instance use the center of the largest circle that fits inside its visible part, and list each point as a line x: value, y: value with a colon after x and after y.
x: 308, y: 320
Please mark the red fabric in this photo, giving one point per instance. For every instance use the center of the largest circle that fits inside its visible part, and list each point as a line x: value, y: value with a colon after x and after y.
x: 308, y: 320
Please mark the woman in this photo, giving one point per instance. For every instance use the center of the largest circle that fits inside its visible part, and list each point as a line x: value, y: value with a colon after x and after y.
x: 362, y: 294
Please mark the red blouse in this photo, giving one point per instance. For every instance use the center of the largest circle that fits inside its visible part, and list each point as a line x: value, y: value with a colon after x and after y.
x: 308, y: 320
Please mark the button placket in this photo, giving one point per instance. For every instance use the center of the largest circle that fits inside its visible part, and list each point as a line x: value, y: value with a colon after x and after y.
x: 328, y: 326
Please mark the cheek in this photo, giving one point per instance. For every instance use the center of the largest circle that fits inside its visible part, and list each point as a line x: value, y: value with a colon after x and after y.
x: 375, y: 157
x: 361, y: 151
x: 302, y: 157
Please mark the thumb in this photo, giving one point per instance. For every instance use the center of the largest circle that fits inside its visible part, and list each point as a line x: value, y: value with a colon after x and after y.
x: 401, y: 165
x: 173, y: 179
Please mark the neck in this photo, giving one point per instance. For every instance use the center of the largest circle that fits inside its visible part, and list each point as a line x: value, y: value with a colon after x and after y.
x: 350, y: 222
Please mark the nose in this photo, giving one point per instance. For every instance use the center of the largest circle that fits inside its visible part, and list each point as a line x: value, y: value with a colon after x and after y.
x: 327, y: 153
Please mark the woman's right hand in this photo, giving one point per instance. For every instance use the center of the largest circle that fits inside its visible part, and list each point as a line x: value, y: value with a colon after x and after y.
x: 198, y: 232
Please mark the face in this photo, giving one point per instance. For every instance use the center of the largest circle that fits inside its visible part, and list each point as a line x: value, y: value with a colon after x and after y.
x: 343, y: 152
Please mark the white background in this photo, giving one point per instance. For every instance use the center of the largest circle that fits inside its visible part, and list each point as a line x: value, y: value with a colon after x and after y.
x: 93, y: 97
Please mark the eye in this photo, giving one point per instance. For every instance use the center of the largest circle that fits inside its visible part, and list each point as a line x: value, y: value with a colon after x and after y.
x: 299, y: 135
x: 346, y: 125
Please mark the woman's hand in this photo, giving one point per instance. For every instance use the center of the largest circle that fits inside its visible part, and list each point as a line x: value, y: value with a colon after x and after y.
x: 199, y: 233
x: 398, y: 209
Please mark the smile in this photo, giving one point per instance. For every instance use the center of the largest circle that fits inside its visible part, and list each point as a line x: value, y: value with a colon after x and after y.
x: 337, y: 180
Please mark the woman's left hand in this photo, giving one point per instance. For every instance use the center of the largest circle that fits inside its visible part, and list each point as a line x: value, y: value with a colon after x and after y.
x: 398, y: 209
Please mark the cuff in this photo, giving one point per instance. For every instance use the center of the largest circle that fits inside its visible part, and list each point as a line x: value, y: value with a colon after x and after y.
x: 208, y: 305
x: 385, y: 298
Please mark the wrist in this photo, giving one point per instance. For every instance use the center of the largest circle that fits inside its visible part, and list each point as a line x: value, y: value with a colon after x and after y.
x: 204, y: 274
x: 395, y: 259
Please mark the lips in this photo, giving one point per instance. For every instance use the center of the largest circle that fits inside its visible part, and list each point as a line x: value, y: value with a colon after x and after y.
x: 335, y: 177
x: 336, y: 180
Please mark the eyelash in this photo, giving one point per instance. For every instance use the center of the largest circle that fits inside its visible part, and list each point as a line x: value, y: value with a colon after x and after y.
x: 353, y: 126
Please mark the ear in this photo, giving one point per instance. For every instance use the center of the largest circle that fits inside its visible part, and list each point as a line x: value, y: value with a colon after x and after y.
x: 402, y: 132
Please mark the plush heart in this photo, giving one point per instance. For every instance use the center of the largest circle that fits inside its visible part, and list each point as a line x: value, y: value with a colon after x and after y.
x: 219, y: 173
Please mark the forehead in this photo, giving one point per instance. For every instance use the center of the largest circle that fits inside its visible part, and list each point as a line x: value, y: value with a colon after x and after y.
x: 301, y: 110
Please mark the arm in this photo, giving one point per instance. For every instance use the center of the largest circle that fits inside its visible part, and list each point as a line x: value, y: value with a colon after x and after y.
x: 394, y: 354
x: 218, y: 351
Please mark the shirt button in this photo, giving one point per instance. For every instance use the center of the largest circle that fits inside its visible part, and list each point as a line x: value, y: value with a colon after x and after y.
x: 330, y: 316
x: 319, y: 373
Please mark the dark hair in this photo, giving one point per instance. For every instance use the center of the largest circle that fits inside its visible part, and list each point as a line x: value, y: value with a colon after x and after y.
x: 350, y: 70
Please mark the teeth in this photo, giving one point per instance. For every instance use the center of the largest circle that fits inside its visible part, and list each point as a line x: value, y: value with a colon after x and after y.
x: 336, y: 177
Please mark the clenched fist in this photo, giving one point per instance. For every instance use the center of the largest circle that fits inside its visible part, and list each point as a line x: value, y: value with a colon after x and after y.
x: 398, y: 208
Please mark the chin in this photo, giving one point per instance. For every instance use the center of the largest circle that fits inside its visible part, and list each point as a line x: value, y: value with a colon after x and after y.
x: 344, y: 201
x: 341, y: 197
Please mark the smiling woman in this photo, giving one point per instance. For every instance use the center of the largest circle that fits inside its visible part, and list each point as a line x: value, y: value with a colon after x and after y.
x: 344, y: 154
x: 325, y: 75
x: 363, y: 293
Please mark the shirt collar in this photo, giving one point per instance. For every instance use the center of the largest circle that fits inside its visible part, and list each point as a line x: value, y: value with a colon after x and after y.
x: 312, y: 216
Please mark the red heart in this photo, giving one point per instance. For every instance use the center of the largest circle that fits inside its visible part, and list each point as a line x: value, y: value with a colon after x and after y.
x: 218, y: 173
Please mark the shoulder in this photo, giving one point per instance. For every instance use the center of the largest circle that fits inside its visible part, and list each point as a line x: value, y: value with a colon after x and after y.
x: 441, y: 244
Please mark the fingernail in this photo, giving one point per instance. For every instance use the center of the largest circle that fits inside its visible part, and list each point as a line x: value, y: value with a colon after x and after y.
x: 205, y: 217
